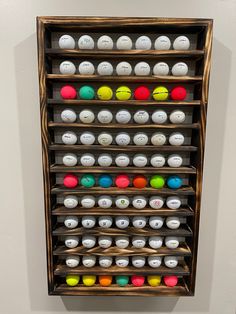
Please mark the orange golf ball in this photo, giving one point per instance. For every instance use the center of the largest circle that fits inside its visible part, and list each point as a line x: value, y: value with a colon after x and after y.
x: 140, y: 182
x: 105, y: 280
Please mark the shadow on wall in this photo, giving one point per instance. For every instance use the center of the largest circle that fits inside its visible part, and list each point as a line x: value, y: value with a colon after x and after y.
x: 28, y: 112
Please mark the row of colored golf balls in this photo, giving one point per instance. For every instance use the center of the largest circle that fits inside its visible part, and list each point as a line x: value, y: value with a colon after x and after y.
x: 123, y: 138
x: 122, y: 181
x: 122, y: 201
x: 124, y: 43
x: 122, y: 242
x: 123, y: 116
x: 122, y: 222
x: 123, y: 68
x: 122, y: 160
x: 123, y: 261
x: 142, y: 92
x: 122, y: 280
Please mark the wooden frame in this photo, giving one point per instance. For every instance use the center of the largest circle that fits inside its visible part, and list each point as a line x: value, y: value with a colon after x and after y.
x: 202, y: 28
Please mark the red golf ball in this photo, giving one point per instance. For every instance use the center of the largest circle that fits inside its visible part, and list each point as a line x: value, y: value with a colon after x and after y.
x: 68, y: 92
x: 141, y: 93
x: 178, y: 93
x: 70, y: 180
x: 137, y: 281
x: 122, y: 181
x: 170, y: 281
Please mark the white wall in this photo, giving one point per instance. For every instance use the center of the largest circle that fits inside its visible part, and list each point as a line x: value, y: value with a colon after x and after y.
x: 23, y: 265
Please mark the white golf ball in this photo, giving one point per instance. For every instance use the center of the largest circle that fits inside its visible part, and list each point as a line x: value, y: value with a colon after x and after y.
x: 105, y: 139
x: 158, y: 139
x: 71, y: 222
x: 177, y: 116
x: 67, y: 67
x: 122, y: 201
x: 87, y: 201
x: 88, y: 222
x: 104, y: 242
x: 87, y: 138
x: 89, y: 261
x: 122, y: 139
x: 86, y: 116
x: 176, y: 139
x: 139, y: 222
x: 88, y: 241
x: 179, y: 69
x: 86, y: 42
x: 171, y: 261
x: 156, y: 202
x: 122, y: 160
x: 124, y: 43
x: 172, y: 242
x: 175, y: 161
x: 87, y: 160
x: 140, y: 139
x: 123, y: 116
x: 105, y: 68
x: 86, y: 68
x: 142, y: 69
x: 156, y: 222
x: 143, y: 43
x: 139, y: 202
x: 161, y: 69
x: 122, y: 242
x: 138, y: 242
x: 173, y: 202
x: 157, y: 161
x: 71, y: 201
x: 122, y: 261
x: 138, y: 261
x: 140, y: 160
x: 105, y: 261
x: 69, y: 160
x: 104, y: 201
x: 105, y: 116
x: 105, y: 42
x: 159, y: 117
x: 104, y: 160
x: 71, y: 241
x: 69, y: 138
x: 72, y: 261
x: 68, y: 115
x: 122, y: 222
x: 181, y: 43
x: 123, y: 68
x: 105, y: 221
x: 66, y: 42
x: 141, y: 116
x: 173, y: 222
x: 154, y: 261
x: 155, y: 242
x: 162, y: 43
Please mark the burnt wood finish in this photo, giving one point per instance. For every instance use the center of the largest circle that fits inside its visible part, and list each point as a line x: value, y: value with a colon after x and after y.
x: 54, y: 210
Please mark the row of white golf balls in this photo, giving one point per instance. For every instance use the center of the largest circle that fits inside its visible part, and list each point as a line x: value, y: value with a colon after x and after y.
x: 122, y: 201
x: 123, y: 68
x: 122, y: 261
x: 124, y: 43
x: 123, y: 116
x: 123, y: 138
x: 122, y: 222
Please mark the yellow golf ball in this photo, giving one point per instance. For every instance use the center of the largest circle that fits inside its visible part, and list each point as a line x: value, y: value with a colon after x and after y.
x: 104, y: 93
x: 160, y: 93
x: 72, y: 280
x: 154, y: 280
x: 89, y: 280
x: 123, y: 93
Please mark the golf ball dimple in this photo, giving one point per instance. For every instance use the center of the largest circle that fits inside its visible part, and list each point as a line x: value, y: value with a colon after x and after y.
x: 181, y: 43
x: 157, y: 161
x: 89, y: 261
x: 175, y: 161
x: 104, y: 241
x: 156, y: 222
x: 105, y: 221
x: 122, y: 261
x: 142, y: 69
x: 140, y: 139
x: 122, y: 222
x: 177, y: 116
x: 158, y: 139
x: 105, y: 139
x: 69, y: 160
x: 72, y: 261
x: 156, y: 202
x: 69, y: 138
x: 176, y: 139
x: 171, y: 261
x: 67, y: 67
x: 141, y: 116
x: 173, y: 202
x: 87, y: 138
x: 159, y: 117
x: 105, y: 261
x: 143, y: 43
x: 66, y: 42
x: 71, y: 242
x: 122, y: 201
x: 172, y: 242
x: 154, y: 261
x: 161, y: 69
x: 87, y: 201
x: 173, y: 222
x: 104, y: 160
x: 87, y: 160
x: 122, y: 139
x: 138, y: 242
x: 88, y: 241
x: 155, y: 242
x: 68, y: 115
x: 122, y: 242
x: 139, y: 202
x: 138, y: 261
x: 140, y: 160
x: 179, y: 69
x: 105, y: 116
x: 122, y: 160
x: 86, y: 68
x: 88, y: 222
x: 70, y: 201
x: 105, y: 201
x: 105, y: 42
x: 124, y: 43
x: 123, y: 116
x: 86, y: 42
x: 123, y: 68
x: 139, y: 222
x: 162, y: 43
x: 71, y: 222
x: 105, y: 68
x: 86, y: 116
